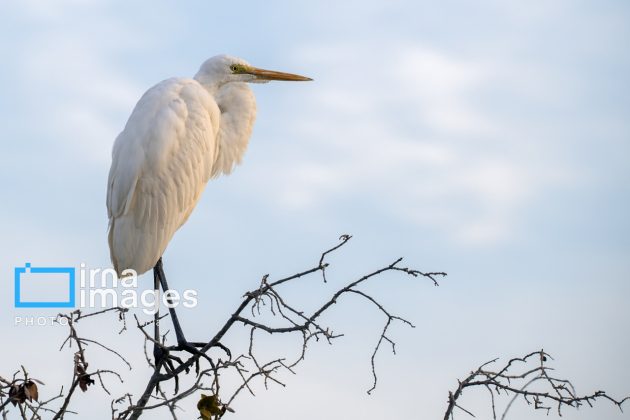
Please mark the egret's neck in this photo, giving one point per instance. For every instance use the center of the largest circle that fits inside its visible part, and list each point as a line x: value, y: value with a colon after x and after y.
x: 210, y: 83
x: 238, y: 112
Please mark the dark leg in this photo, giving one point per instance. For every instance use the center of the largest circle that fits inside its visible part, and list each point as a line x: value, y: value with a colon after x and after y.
x: 182, y: 343
x: 158, y: 275
x: 157, y: 352
x: 160, y: 354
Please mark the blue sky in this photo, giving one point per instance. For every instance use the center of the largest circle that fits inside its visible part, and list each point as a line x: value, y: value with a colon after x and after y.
x: 487, y: 139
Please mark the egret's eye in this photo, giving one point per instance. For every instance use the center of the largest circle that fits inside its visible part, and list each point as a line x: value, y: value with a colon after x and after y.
x: 234, y: 68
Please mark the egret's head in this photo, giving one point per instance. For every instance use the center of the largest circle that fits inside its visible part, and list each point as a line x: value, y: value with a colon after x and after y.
x: 224, y: 69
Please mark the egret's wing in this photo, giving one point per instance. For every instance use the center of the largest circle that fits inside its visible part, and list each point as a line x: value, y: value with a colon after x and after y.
x: 160, y: 164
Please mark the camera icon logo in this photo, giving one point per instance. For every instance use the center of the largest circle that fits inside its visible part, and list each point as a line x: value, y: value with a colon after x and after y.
x: 44, y: 287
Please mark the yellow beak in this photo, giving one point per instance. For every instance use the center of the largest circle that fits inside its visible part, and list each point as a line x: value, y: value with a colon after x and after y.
x: 263, y: 74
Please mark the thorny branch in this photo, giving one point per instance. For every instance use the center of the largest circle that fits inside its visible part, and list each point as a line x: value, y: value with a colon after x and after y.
x: 246, y: 365
x: 510, y: 382
x: 22, y: 392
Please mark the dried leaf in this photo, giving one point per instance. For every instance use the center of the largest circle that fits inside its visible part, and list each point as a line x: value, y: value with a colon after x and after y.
x: 85, y: 381
x: 209, y: 406
x: 14, y: 395
x: 30, y: 391
x: 18, y: 394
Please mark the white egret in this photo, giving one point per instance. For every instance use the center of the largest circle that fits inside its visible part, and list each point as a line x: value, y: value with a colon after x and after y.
x: 181, y: 133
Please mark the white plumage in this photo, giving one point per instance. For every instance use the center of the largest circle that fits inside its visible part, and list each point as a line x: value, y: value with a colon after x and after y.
x: 180, y: 134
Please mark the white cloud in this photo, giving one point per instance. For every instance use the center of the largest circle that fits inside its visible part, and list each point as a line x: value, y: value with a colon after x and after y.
x: 440, y: 85
x: 84, y: 94
x: 410, y: 130
x: 47, y: 10
x: 71, y: 84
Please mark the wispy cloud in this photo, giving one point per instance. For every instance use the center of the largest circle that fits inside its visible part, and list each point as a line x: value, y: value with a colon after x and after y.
x: 72, y: 85
x: 85, y: 94
x: 417, y: 128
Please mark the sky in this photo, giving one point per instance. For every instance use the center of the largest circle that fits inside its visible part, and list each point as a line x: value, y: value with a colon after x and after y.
x: 487, y: 139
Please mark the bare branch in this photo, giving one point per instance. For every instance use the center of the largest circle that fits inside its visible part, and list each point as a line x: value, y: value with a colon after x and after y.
x: 552, y: 391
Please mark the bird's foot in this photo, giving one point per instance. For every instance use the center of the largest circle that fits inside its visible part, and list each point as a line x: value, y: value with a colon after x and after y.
x: 163, y: 359
x: 192, y: 347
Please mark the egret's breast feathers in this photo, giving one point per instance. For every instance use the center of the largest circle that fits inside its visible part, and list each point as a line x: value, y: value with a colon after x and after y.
x: 238, y: 113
